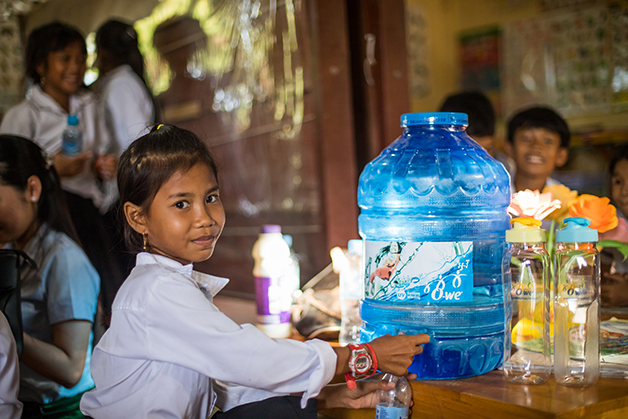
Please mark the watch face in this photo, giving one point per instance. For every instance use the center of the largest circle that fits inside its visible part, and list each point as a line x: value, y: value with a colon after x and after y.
x: 362, y: 364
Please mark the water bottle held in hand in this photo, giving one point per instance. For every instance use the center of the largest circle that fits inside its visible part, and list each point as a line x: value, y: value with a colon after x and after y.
x: 72, y: 144
x: 393, y: 403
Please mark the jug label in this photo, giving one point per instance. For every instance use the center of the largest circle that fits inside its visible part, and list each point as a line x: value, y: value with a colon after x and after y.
x: 419, y: 272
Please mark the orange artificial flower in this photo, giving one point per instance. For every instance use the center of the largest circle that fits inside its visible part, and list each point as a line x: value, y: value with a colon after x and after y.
x: 565, y: 196
x: 599, y: 211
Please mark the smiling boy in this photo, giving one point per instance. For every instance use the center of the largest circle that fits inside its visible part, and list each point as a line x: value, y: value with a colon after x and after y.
x: 538, y: 141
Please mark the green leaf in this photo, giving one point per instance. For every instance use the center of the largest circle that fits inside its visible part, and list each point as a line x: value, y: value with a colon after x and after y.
x: 616, y: 244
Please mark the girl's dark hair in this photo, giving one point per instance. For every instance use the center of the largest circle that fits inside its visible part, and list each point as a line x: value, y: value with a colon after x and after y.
x: 49, y: 38
x: 19, y: 160
x: 540, y: 117
x: 479, y: 109
x: 149, y: 162
x: 619, y: 154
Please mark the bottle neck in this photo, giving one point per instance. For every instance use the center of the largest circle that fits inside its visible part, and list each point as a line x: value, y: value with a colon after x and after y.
x: 530, y: 246
x: 584, y: 246
x: 433, y: 127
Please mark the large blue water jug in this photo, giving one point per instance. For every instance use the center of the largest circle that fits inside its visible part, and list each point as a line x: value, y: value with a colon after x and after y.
x: 433, y: 219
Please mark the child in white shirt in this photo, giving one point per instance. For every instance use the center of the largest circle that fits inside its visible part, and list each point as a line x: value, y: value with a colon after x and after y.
x: 168, y: 341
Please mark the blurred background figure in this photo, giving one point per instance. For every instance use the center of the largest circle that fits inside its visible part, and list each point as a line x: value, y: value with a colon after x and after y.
x: 59, y: 295
x: 10, y: 406
x: 481, y: 122
x: 127, y: 106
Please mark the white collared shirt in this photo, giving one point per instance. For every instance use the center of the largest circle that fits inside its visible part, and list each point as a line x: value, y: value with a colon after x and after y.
x: 41, y: 119
x: 10, y: 407
x: 167, y: 341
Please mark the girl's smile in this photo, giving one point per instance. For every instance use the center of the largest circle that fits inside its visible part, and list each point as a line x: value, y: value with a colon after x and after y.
x: 186, y: 216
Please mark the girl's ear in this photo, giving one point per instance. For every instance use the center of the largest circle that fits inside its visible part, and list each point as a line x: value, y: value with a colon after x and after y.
x: 135, y: 217
x: 508, y: 148
x: 32, y: 193
x: 41, y: 69
x: 561, y: 157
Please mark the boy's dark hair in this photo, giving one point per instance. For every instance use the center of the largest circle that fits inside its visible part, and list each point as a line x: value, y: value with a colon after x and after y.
x: 540, y: 117
x: 49, y: 38
x: 479, y: 109
x: 19, y: 160
x: 149, y: 162
x: 619, y: 154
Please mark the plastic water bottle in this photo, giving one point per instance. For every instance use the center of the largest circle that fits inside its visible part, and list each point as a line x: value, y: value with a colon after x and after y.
x: 72, y: 138
x: 577, y: 305
x: 530, y: 362
x: 272, y: 282
x: 393, y: 403
x: 350, y: 294
x: 433, y: 217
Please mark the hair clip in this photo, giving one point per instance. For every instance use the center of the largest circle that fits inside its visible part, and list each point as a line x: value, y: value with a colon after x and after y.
x: 131, y: 33
x: 159, y: 126
x: 48, y: 159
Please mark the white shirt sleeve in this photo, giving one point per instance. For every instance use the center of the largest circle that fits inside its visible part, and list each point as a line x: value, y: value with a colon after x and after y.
x: 19, y: 121
x: 184, y: 328
x: 128, y: 111
x: 10, y: 407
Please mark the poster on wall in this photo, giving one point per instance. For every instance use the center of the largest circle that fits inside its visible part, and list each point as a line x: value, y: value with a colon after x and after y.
x: 418, y: 53
x: 562, y: 60
x: 480, y: 60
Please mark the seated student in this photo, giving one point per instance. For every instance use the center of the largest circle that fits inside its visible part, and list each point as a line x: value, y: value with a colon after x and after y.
x: 538, y: 141
x: 168, y: 342
x: 614, y: 268
x: 59, y: 296
x: 10, y: 407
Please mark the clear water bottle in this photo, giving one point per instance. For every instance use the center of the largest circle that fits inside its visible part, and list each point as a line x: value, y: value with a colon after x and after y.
x: 433, y: 218
x: 72, y: 138
x: 577, y: 305
x: 350, y: 294
x: 530, y: 361
x: 272, y: 279
x: 293, y: 278
x: 395, y: 402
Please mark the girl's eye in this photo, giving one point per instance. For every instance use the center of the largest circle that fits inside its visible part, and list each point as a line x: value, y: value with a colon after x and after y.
x: 212, y: 198
x: 182, y: 204
x: 616, y: 181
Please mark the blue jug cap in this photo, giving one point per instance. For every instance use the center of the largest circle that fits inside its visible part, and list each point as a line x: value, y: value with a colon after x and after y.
x: 577, y: 230
x: 434, y: 118
x: 73, y: 120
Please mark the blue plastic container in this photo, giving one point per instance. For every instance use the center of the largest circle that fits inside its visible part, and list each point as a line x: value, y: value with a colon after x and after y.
x: 433, y: 219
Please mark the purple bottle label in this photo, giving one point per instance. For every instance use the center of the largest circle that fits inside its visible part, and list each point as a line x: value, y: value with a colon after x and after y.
x: 271, y: 301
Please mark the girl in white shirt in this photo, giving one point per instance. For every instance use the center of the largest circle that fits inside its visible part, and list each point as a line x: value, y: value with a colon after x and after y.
x: 168, y: 341
x: 55, y: 65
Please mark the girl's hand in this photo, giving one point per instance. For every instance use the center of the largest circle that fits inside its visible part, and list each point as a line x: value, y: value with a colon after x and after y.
x: 395, y: 353
x: 334, y: 396
x: 614, y: 290
x: 71, y: 166
x: 106, y: 166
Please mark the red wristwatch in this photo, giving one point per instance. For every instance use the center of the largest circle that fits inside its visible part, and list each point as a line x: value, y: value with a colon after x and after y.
x: 360, y: 362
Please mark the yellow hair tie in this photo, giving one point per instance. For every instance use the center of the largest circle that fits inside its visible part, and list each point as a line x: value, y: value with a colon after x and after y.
x: 159, y: 126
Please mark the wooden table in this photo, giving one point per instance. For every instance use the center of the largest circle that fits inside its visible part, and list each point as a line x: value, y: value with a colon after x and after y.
x: 490, y: 396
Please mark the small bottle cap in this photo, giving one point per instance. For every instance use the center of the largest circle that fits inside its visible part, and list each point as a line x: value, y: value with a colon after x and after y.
x: 271, y: 228
x: 73, y: 120
x: 355, y: 246
x: 526, y: 230
x: 577, y: 230
x: 434, y: 118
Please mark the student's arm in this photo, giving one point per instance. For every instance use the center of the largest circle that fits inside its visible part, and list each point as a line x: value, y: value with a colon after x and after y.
x: 394, y: 353
x: 63, y: 361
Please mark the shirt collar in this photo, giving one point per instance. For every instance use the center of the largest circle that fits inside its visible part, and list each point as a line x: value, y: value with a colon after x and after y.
x: 42, y: 99
x: 211, y: 283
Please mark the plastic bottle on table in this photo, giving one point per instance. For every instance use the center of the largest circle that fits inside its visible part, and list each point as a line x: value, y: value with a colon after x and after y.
x: 72, y: 138
x: 272, y: 282
x: 530, y: 361
x: 577, y: 305
x: 350, y: 294
x: 293, y: 278
x: 433, y: 218
x: 393, y: 403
